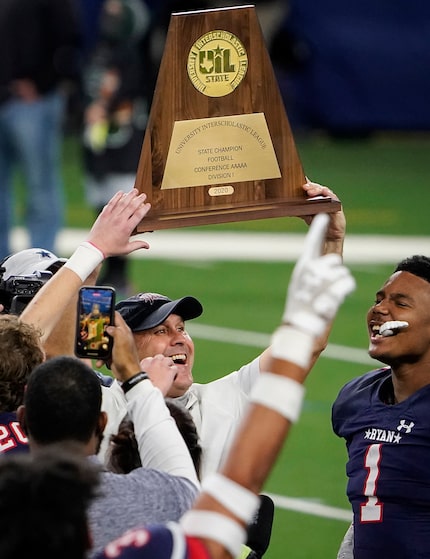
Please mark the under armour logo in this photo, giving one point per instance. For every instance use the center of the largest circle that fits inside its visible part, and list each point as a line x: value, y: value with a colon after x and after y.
x: 403, y: 425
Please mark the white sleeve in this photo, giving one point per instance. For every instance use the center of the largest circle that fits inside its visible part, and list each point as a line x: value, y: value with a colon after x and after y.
x: 243, y: 379
x: 115, y: 406
x: 346, y: 550
x: 161, y: 445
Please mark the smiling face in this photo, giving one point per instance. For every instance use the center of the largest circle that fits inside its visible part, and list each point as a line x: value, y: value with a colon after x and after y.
x: 403, y: 297
x: 171, y: 340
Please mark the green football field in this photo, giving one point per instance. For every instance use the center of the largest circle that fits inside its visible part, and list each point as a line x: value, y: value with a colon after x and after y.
x: 383, y: 183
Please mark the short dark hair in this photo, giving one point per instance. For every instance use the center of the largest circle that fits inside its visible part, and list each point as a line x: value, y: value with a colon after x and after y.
x: 124, y: 450
x: 187, y: 428
x: 418, y: 265
x: 62, y: 401
x: 43, y: 503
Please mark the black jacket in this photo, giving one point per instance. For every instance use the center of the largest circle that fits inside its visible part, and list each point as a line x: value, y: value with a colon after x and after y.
x: 40, y: 40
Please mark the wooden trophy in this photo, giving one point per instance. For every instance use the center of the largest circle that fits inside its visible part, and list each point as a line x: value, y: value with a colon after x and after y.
x: 218, y: 145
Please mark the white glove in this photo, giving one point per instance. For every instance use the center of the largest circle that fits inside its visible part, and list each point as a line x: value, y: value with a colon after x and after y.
x: 318, y: 285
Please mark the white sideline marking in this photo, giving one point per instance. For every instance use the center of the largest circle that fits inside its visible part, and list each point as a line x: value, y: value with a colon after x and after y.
x: 310, y: 507
x: 244, y: 246
x: 256, y: 339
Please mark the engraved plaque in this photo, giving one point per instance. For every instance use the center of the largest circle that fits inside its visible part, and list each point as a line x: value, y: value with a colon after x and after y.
x: 219, y: 150
x: 218, y: 145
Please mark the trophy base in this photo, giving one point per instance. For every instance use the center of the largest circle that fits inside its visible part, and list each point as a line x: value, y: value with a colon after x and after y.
x: 170, y: 219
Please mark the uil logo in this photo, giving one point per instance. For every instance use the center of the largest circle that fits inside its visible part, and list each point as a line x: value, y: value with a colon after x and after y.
x: 217, y: 63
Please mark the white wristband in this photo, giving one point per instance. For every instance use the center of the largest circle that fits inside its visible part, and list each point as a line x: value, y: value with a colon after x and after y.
x: 281, y: 394
x: 85, y: 260
x: 214, y: 526
x: 234, y: 497
x: 294, y: 345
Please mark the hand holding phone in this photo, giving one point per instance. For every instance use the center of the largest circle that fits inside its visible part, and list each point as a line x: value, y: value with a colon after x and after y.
x: 96, y: 311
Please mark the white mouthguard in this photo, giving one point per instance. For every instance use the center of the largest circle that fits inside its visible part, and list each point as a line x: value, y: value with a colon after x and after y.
x: 389, y: 328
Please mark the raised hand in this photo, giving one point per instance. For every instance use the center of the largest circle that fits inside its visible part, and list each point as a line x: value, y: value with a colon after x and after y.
x: 113, y: 227
x: 125, y: 361
x: 161, y: 370
x: 335, y: 232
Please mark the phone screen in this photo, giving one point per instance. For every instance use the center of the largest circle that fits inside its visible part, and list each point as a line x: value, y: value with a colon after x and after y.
x: 96, y: 307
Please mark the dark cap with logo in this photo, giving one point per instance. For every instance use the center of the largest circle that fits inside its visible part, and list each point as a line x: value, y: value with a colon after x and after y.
x: 147, y: 310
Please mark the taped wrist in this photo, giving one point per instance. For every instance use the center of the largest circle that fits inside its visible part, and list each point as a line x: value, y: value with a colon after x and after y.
x: 234, y: 497
x: 294, y: 345
x: 215, y: 526
x: 281, y: 394
x: 85, y: 260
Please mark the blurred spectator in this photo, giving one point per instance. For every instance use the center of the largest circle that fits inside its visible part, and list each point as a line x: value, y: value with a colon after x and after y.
x: 90, y: 11
x: 40, y: 42
x: 116, y: 110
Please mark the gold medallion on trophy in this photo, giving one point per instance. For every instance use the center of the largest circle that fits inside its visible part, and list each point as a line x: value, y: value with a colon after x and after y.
x: 217, y: 63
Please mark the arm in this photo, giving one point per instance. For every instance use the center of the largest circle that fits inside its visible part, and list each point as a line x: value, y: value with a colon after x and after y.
x: 61, y: 341
x: 109, y: 236
x: 332, y: 244
x: 228, y: 499
x: 346, y: 550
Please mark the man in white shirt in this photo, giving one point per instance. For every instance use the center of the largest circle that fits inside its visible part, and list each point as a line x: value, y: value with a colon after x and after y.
x: 158, y: 326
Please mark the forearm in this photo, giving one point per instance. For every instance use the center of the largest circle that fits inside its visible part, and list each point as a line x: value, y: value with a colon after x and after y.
x: 333, y: 246
x: 51, y: 301
x: 319, y: 346
x: 61, y: 340
x: 262, y: 434
x: 335, y: 234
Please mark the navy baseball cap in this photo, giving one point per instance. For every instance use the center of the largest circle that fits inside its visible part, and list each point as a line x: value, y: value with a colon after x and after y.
x: 147, y: 310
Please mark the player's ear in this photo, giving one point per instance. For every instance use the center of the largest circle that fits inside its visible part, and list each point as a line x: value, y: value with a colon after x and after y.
x: 20, y: 414
x: 101, y: 423
x: 89, y: 538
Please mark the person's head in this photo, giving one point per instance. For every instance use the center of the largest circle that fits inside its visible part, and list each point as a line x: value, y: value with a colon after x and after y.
x: 20, y: 352
x: 22, y: 274
x: 158, y: 326
x: 43, y: 504
x: 124, y: 451
x: 62, y: 402
x: 405, y: 297
x: 187, y: 428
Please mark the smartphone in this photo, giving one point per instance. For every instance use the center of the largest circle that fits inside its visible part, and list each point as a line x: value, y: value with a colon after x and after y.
x: 96, y: 310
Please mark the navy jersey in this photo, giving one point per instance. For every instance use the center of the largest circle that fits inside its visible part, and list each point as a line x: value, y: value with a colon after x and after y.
x: 163, y: 541
x: 388, y: 467
x: 12, y: 437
